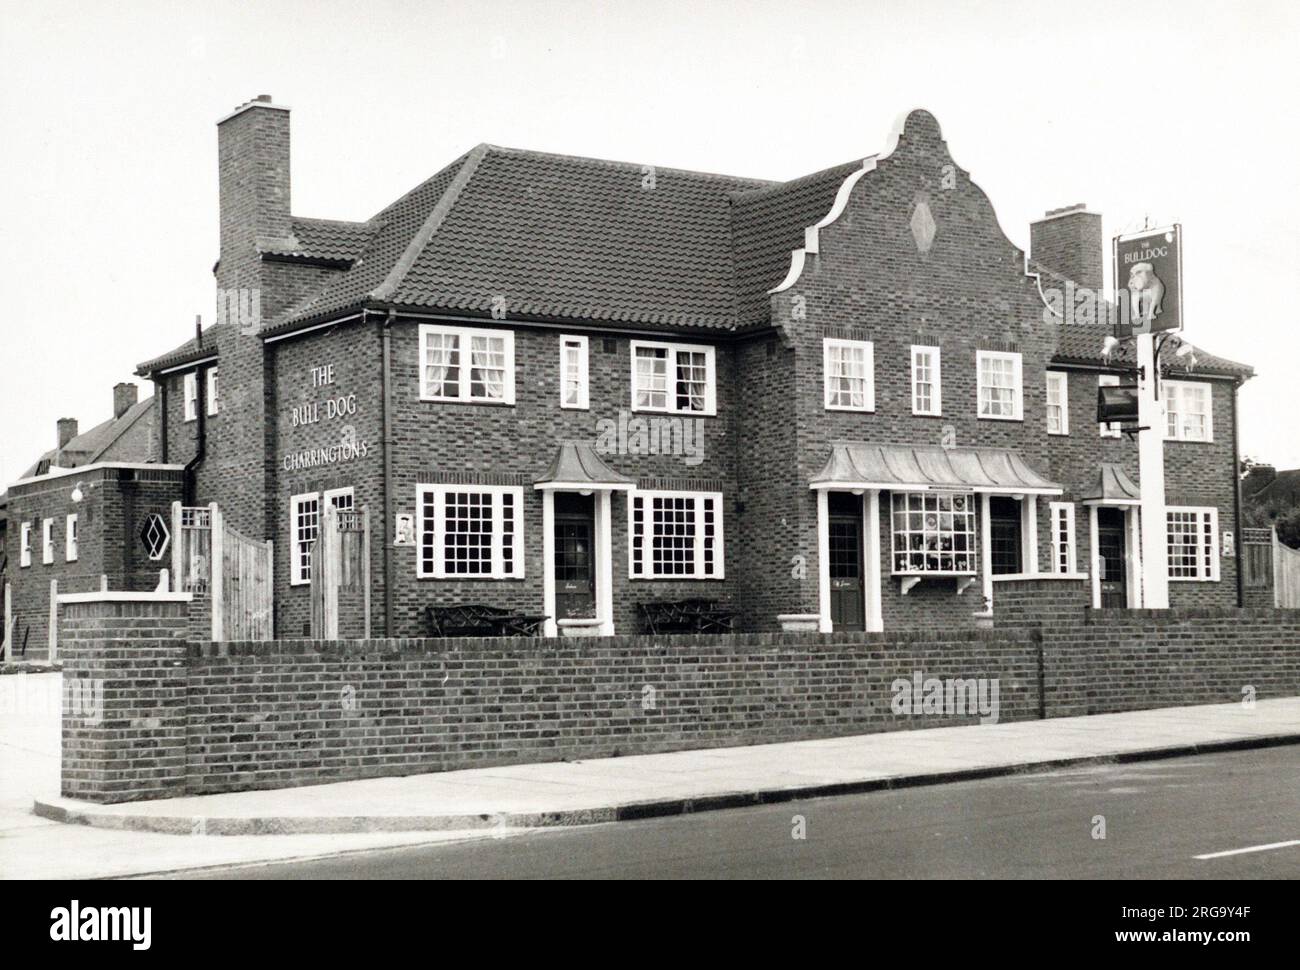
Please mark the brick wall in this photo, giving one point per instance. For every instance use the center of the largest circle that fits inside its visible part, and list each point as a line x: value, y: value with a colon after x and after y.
x: 124, y: 698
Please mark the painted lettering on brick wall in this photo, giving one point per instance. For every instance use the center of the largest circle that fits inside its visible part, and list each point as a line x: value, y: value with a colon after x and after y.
x: 333, y: 406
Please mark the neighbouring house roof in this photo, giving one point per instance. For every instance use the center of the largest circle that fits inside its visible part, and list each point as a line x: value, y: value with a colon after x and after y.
x: 210, y: 344
x: 94, y: 445
x: 1112, y: 486
x: 576, y: 465
x: 856, y: 464
x: 1284, y: 489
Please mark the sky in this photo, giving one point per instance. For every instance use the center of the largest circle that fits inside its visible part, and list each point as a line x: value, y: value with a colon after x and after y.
x: 1168, y: 112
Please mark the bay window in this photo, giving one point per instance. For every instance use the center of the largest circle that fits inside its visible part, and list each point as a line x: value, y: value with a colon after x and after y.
x: 675, y: 535
x: 467, y: 364
x: 470, y: 531
x: 675, y: 378
x: 933, y: 533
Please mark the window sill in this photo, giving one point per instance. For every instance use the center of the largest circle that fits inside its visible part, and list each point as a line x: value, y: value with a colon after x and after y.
x: 468, y: 578
x: 849, y: 410
x: 459, y: 400
x: 927, y: 414
x: 999, y: 417
x: 680, y: 579
x: 675, y: 414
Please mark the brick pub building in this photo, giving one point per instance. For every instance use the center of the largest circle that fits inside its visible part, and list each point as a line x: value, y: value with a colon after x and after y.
x: 570, y: 386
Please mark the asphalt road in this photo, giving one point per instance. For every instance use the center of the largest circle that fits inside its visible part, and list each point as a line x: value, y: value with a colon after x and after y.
x: 1158, y: 817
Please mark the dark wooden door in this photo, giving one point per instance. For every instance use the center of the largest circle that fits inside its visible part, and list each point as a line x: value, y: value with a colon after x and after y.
x: 575, y: 573
x: 1112, y: 568
x: 1004, y: 535
x: 845, y: 562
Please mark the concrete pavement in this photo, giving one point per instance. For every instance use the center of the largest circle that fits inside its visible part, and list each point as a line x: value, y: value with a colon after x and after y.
x: 506, y: 799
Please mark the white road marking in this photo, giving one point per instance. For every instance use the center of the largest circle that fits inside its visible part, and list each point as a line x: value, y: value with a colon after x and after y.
x: 1249, y: 848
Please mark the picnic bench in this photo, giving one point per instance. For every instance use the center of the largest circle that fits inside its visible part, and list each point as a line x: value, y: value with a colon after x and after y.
x: 479, y: 620
x: 686, y: 616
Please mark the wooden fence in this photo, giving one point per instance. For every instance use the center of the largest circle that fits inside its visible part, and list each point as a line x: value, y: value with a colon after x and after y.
x: 212, y: 558
x: 1286, y: 575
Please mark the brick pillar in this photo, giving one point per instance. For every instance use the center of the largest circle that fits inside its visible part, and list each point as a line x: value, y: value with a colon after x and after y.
x: 124, y: 683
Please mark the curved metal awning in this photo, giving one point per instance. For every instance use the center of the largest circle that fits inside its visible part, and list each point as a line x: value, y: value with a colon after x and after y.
x: 861, y: 465
x: 1112, y: 486
x: 577, y: 467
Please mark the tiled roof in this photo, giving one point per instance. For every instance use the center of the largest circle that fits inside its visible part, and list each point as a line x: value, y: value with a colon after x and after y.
x: 767, y: 225
x: 1284, y: 489
x: 321, y: 239
x: 88, y: 447
x: 553, y: 236
x: 214, y: 338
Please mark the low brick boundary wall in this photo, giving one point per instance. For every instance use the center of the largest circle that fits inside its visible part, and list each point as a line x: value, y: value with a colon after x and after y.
x: 178, y: 718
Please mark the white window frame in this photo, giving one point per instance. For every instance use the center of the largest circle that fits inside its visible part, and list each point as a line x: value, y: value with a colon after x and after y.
x: 1062, y: 381
x: 1017, y: 371
x: 464, y: 337
x: 25, y: 547
x: 670, y: 391
x: 869, y: 365
x: 1062, y: 514
x: 936, y: 380
x: 70, y: 550
x: 576, y: 343
x: 1109, y: 429
x: 47, y: 541
x: 1174, y: 393
x: 191, y: 385
x: 647, y: 542
x: 211, y: 391
x: 299, y: 563
x: 438, y: 568
x: 1202, y: 513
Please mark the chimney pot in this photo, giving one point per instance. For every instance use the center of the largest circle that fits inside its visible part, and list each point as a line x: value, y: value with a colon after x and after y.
x: 67, y: 431
x: 125, y: 396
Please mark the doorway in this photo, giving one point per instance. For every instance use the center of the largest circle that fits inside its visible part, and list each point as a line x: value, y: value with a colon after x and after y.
x: 575, y: 572
x: 1111, y: 565
x: 1004, y: 536
x: 845, y: 561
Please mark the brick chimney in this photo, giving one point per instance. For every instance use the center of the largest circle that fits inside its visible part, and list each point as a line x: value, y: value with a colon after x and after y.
x: 67, y: 431
x: 253, y: 173
x: 1068, y: 241
x: 1257, y: 478
x: 125, y: 397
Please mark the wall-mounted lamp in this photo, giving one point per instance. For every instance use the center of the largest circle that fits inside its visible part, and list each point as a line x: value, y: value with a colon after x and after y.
x: 1109, y: 346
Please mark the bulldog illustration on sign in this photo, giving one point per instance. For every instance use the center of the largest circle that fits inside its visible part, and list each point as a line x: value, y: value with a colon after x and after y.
x: 1146, y: 296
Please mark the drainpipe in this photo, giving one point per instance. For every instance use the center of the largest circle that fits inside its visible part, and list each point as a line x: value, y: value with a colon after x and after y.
x: 160, y: 393
x: 1236, y: 492
x: 386, y: 528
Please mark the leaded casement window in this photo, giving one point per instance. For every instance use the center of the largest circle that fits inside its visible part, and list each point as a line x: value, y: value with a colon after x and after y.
x: 1058, y: 402
x: 1061, y: 517
x: 1189, y: 415
x: 304, y: 527
x: 70, y: 551
x: 933, y: 533
x: 999, y: 387
x: 470, y: 531
x: 573, y: 373
x: 927, y: 395
x: 467, y: 364
x: 1193, y: 543
x: 848, y: 369
x: 675, y: 535
x: 47, y: 541
x: 25, y: 547
x: 1111, y: 429
x: 191, y: 385
x: 674, y: 378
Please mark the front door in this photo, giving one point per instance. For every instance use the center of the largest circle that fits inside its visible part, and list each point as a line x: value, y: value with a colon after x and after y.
x: 1110, y: 552
x: 1004, y: 535
x: 845, y: 561
x: 575, y: 572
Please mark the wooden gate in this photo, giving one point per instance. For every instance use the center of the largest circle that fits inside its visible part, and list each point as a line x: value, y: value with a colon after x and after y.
x: 214, y: 560
x: 340, y: 571
x: 1286, y: 575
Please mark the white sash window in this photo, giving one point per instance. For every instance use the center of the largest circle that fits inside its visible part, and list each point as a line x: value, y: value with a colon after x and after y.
x: 470, y: 531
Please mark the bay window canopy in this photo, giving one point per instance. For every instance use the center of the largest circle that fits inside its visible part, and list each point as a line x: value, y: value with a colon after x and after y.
x: 577, y: 467
x: 918, y: 468
x: 1112, y: 486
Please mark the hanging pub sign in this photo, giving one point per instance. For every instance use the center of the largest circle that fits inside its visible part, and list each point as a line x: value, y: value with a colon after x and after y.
x: 1149, y: 281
